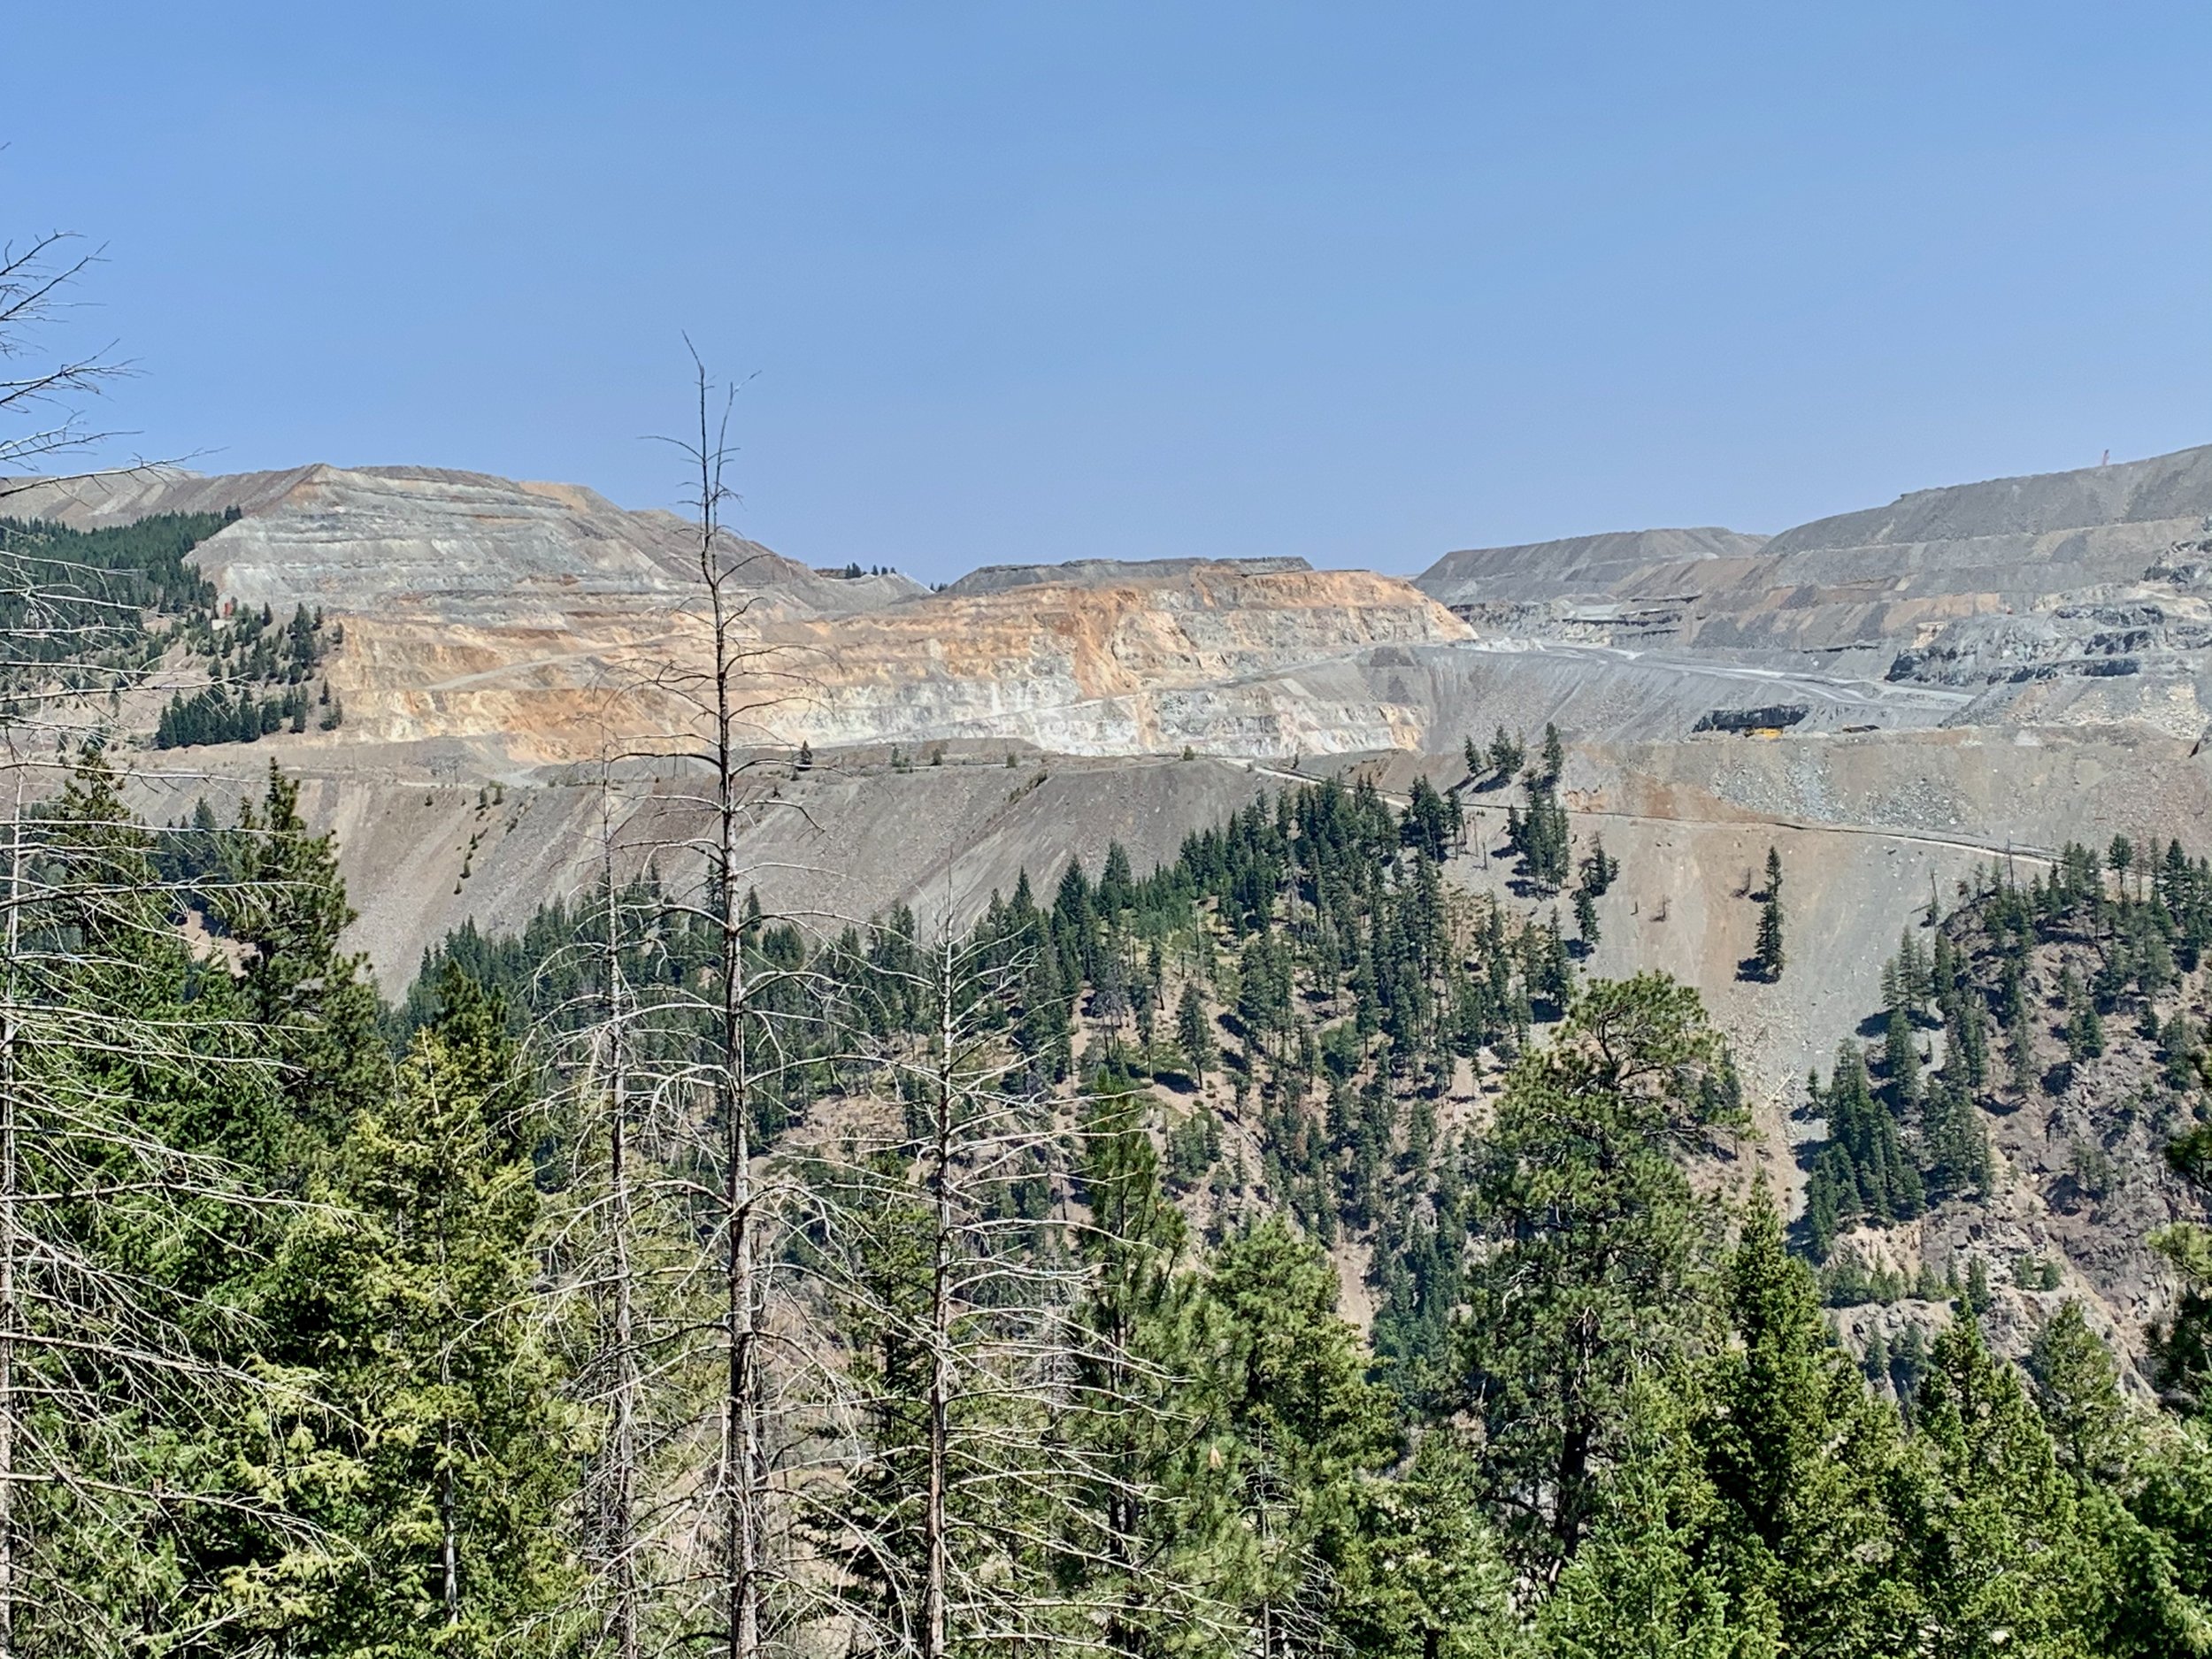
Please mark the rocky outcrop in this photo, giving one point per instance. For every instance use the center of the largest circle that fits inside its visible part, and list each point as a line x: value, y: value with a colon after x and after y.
x: 1216, y: 661
x: 1589, y: 567
x: 1937, y: 578
x: 997, y: 578
x: 549, y: 625
x: 1890, y: 698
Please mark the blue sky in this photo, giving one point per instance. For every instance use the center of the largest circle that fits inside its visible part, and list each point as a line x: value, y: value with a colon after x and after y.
x: 1063, y: 280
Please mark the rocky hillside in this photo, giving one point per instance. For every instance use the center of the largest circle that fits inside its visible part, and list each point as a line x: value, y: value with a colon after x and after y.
x: 1589, y: 568
x: 2064, y: 575
x: 1889, y: 698
x: 543, y: 623
x: 2002, y: 1123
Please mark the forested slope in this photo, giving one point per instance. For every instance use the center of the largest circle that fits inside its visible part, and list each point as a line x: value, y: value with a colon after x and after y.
x: 2015, y: 1125
x: 1600, y: 1408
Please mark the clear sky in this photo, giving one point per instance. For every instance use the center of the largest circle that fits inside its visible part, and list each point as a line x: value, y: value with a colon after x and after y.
x: 1054, y: 280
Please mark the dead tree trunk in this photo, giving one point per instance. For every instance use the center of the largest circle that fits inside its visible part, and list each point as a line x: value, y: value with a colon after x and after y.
x: 743, y: 1474
x: 626, y: 1617
x: 10, y: 1189
x: 938, y: 1179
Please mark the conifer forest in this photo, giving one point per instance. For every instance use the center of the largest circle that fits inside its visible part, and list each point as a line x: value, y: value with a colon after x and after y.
x: 1288, y: 1248
x: 675, y: 1278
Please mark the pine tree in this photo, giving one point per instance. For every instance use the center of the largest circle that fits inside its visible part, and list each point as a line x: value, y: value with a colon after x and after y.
x: 1193, y: 1031
x: 1304, y: 1428
x: 2020, y: 1047
x: 1505, y: 755
x: 1767, y: 953
x: 1585, y: 917
x: 404, y: 1294
x: 309, y: 998
x: 132, y: 1214
x: 1646, y: 1583
x: 1601, y: 1248
x: 1995, y: 1534
x: 1801, y: 1461
x: 1900, y: 1062
x: 1554, y: 763
x: 2077, y: 1386
x: 1769, y: 949
x: 1156, y: 1530
x: 2181, y: 1344
x: 1862, y: 1170
x: 1422, y: 1575
x: 1599, y: 870
x: 1957, y: 1146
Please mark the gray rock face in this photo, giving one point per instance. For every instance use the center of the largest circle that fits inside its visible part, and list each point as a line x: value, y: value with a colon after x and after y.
x: 2041, y: 577
x: 355, y: 539
x: 2153, y: 493
x: 998, y: 579
x: 1588, y: 565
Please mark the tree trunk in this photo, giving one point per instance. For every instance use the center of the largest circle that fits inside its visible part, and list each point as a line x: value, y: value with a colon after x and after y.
x: 743, y: 1516
x: 622, y: 1500
x: 938, y: 1562
x: 9, y: 1183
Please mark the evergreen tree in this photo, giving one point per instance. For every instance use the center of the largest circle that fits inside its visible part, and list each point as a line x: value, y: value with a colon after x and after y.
x: 2076, y: 1389
x: 1801, y: 1460
x: 1957, y: 1144
x: 1600, y: 1249
x: 1861, y: 1170
x: 404, y: 1293
x: 1553, y: 766
x: 309, y: 998
x: 1505, y: 755
x: 1767, y: 953
x: 132, y: 1104
x: 1539, y: 834
x: 1305, y: 1429
x: 2181, y: 1345
x: 1585, y: 917
x: 1598, y: 870
x: 1161, y: 1544
x: 1426, y: 825
x: 1422, y: 1575
x: 1996, y: 1529
x: 1901, y: 1063
x: 1193, y: 1031
x: 1769, y: 950
x: 1646, y: 1584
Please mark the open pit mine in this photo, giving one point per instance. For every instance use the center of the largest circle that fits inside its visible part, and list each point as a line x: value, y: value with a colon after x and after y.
x: 1891, y: 699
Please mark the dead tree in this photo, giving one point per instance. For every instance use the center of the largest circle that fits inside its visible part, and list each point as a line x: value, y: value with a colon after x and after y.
x: 636, y: 1250
x: 94, y: 1347
x: 610, y: 1249
x: 973, y: 1492
x: 40, y: 398
x: 675, y: 1231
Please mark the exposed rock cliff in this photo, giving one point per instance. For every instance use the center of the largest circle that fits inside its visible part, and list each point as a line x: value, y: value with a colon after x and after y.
x: 2009, y: 664
x: 1864, y: 593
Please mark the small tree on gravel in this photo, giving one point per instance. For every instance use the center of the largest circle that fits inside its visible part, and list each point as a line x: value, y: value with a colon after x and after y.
x: 1769, y: 952
x: 1190, y: 1031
